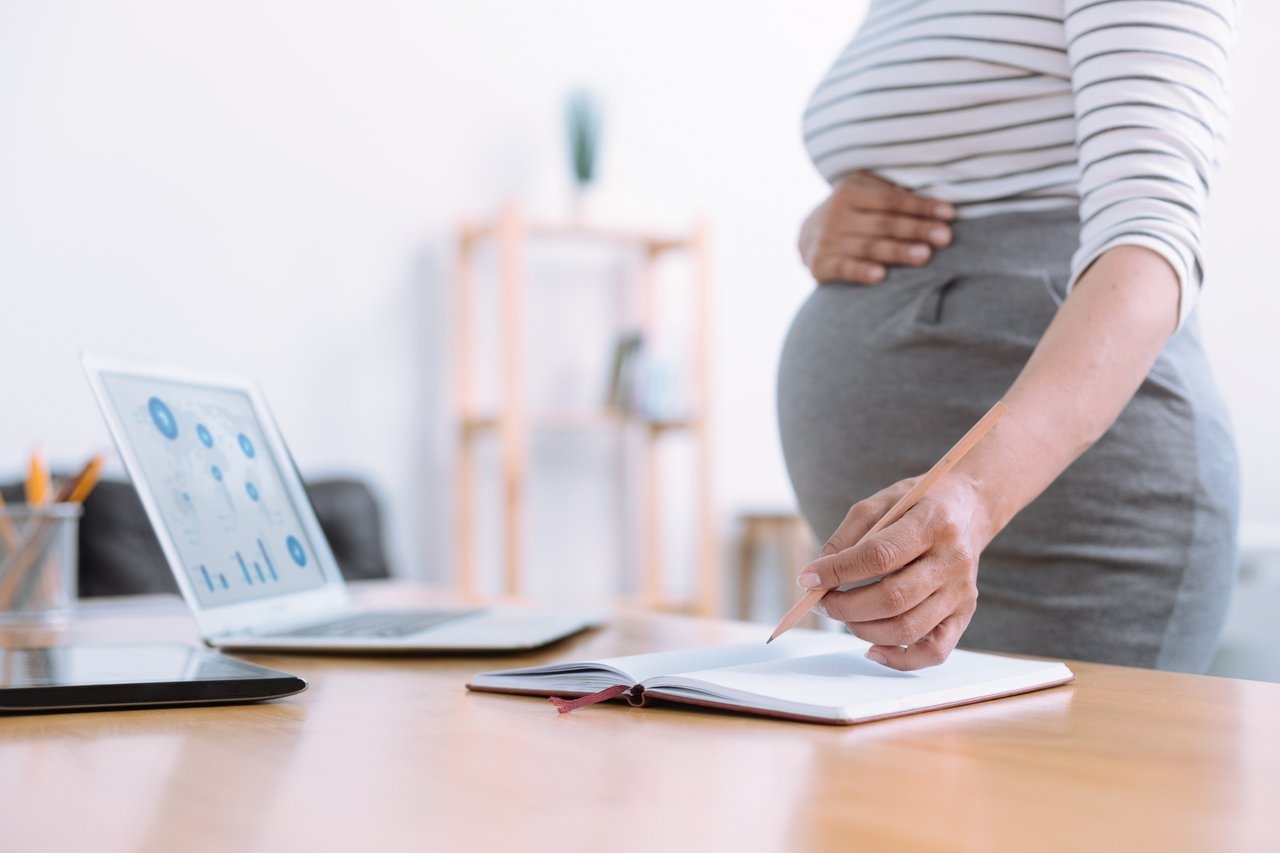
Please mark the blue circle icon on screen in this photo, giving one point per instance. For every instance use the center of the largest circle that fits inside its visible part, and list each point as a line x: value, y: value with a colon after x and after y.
x: 216, y: 472
x: 295, y: 550
x: 252, y: 490
x: 246, y: 445
x: 163, y: 418
x: 206, y: 438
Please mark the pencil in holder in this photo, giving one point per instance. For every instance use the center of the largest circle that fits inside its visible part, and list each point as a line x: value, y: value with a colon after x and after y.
x: 38, y: 550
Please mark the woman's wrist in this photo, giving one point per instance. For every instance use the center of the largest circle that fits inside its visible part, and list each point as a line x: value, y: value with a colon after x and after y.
x: 1002, y: 472
x: 986, y: 518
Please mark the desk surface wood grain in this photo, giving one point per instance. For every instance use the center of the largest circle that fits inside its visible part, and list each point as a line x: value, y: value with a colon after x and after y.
x: 392, y: 753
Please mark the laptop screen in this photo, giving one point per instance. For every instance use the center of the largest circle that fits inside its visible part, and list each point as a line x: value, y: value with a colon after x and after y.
x: 218, y: 488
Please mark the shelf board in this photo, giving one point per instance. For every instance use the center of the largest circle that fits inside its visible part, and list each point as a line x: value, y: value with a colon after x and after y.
x: 476, y: 423
x: 651, y: 241
x: 672, y: 424
x: 584, y: 420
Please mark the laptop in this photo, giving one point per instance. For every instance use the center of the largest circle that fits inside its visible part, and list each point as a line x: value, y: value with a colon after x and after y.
x: 242, y: 539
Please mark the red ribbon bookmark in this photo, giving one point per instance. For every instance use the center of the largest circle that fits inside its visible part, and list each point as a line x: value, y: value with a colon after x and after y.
x: 564, y: 706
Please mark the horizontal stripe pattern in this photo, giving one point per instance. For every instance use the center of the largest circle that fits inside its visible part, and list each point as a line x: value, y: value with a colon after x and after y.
x: 1118, y: 107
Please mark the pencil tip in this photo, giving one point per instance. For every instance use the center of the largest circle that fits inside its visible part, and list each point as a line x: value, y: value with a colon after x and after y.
x: 768, y: 641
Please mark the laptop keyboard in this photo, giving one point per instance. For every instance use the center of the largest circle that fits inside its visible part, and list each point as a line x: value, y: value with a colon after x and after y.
x: 377, y: 623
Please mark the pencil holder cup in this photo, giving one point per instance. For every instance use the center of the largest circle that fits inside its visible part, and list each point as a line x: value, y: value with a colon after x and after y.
x: 38, y: 563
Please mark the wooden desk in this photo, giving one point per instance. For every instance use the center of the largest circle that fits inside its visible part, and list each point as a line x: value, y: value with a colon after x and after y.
x: 393, y: 754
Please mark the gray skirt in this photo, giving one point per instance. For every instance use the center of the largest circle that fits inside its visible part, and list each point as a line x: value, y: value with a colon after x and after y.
x: 1129, y: 556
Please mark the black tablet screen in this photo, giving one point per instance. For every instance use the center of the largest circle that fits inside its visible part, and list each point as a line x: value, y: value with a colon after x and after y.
x: 115, y: 676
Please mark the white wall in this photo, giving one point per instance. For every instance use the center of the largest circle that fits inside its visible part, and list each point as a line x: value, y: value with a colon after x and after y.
x: 269, y: 187
x: 1242, y: 287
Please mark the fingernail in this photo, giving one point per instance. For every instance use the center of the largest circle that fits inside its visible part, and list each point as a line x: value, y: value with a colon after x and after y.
x: 877, y: 657
x: 944, y: 211
x: 809, y: 580
x: 820, y: 609
x: 917, y: 253
x: 875, y: 273
x: 939, y: 235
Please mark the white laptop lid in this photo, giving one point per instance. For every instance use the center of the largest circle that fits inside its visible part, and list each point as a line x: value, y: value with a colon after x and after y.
x: 222, y: 493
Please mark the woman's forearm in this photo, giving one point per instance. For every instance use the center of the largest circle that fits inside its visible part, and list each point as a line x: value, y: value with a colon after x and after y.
x: 1087, y: 366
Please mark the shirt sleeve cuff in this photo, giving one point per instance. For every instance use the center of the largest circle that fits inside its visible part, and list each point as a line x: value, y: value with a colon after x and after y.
x: 1186, y: 267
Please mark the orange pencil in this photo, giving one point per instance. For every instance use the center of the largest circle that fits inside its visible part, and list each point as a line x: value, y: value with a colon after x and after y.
x: 38, y: 482
x: 78, y: 487
x: 899, y: 509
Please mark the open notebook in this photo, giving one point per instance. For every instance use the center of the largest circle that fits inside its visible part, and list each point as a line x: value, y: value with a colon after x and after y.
x: 806, y: 675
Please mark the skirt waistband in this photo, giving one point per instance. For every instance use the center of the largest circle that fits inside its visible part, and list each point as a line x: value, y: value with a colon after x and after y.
x: 1039, y: 242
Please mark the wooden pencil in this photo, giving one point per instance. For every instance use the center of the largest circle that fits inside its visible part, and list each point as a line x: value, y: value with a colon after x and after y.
x: 899, y: 509
x: 37, y: 480
x: 78, y: 488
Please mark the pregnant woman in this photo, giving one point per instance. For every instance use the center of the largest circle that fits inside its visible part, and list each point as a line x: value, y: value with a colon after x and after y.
x: 1016, y: 213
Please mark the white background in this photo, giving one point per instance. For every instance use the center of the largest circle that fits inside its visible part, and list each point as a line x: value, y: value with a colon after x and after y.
x: 271, y: 187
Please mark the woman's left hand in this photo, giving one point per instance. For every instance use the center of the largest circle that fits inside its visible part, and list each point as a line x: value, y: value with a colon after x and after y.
x: 927, y: 563
x: 867, y: 223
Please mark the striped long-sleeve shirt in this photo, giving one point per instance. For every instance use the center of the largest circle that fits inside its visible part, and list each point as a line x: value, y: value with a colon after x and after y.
x: 1117, y: 106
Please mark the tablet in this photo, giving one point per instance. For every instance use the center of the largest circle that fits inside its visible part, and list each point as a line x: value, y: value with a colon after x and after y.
x: 61, y: 678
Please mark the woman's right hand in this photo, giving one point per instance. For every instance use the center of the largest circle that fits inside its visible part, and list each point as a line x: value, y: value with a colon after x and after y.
x: 867, y: 223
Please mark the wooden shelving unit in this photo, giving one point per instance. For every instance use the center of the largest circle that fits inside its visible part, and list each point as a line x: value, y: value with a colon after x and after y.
x: 510, y: 236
